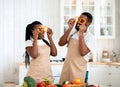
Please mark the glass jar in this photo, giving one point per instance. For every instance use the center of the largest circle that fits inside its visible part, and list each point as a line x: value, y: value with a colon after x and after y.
x: 105, y: 53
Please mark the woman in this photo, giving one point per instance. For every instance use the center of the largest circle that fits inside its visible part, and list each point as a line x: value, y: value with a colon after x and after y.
x: 39, y: 50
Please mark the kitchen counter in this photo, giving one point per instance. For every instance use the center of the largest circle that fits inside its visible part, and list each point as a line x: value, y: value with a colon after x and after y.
x: 105, y: 63
x: 56, y: 63
x: 52, y: 63
x: 105, y: 73
x: 91, y: 63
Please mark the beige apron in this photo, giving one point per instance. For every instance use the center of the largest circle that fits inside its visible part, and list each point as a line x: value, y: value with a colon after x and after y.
x: 74, y: 65
x: 40, y: 67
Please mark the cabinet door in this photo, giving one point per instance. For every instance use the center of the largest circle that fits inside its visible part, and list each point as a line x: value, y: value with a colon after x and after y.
x: 98, y: 74
x: 105, y: 18
x: 56, y: 70
x: 68, y: 10
x: 114, y: 76
x: 88, y: 6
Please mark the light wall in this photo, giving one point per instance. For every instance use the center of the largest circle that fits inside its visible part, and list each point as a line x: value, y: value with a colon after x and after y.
x: 14, y: 17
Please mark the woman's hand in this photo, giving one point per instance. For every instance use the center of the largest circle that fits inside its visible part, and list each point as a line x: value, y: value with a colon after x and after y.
x: 49, y: 32
x: 35, y: 34
x: 71, y: 23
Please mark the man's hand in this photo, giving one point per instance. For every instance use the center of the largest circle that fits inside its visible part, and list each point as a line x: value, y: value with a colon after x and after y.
x: 71, y: 23
x: 82, y: 28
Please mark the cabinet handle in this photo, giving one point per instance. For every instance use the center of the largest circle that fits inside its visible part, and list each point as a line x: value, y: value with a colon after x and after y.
x: 110, y: 85
x: 110, y: 73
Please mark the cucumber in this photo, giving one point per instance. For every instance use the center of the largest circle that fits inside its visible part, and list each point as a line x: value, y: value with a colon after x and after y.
x: 58, y: 85
x: 66, y: 82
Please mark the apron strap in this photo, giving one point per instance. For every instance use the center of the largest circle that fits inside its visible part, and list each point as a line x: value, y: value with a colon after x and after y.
x: 45, y: 41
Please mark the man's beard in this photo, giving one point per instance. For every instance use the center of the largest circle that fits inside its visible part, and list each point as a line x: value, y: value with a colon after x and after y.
x: 76, y: 27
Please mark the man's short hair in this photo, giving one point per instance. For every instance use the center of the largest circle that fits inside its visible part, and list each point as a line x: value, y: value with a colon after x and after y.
x: 89, y: 16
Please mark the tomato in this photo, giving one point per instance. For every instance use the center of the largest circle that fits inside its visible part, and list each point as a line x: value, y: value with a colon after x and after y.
x: 41, y: 84
x: 54, y: 85
x: 65, y: 85
x: 72, y: 82
x: 48, y: 85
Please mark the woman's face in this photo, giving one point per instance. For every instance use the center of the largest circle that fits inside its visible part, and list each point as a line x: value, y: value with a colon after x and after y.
x: 41, y: 31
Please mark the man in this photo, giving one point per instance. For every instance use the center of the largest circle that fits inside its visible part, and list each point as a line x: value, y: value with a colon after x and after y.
x: 80, y: 43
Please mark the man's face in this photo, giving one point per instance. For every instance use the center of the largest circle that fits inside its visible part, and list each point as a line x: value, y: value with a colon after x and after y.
x: 81, y: 20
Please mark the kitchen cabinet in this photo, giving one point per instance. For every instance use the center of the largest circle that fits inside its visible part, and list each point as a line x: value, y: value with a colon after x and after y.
x: 114, y: 76
x: 56, y: 70
x: 107, y: 75
x: 103, y: 25
x: 105, y: 19
x: 68, y: 10
x: 98, y: 74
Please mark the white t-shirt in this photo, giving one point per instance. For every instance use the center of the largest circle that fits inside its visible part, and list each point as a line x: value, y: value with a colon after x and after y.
x: 30, y: 42
x: 89, y: 40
